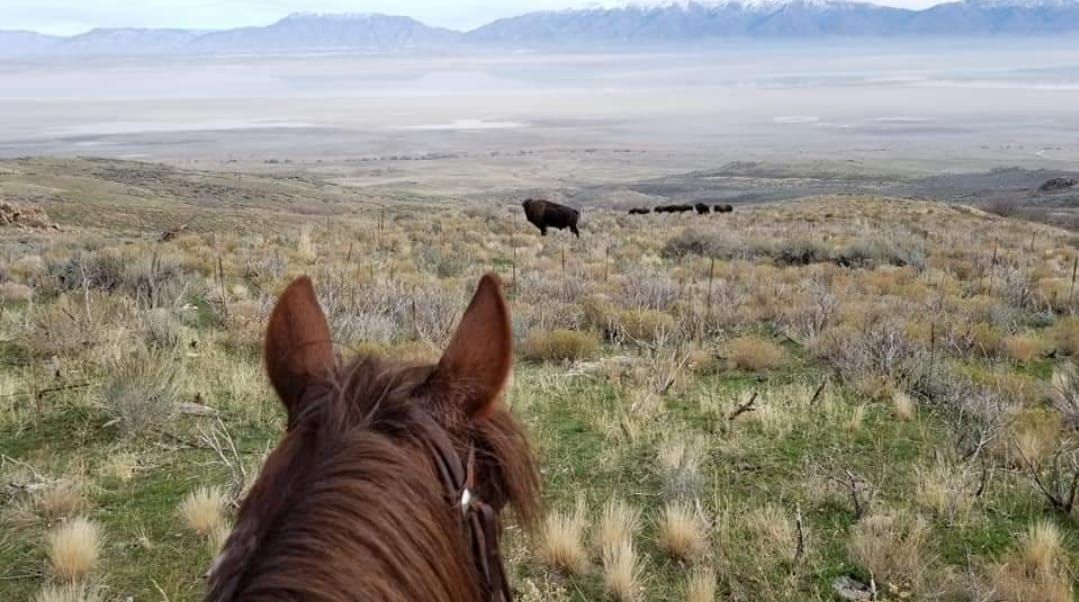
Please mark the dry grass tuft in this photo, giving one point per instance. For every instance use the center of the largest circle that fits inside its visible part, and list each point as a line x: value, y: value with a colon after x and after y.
x: 121, y: 466
x: 561, y: 544
x: 622, y: 572
x: 1040, y: 548
x: 74, y: 548
x: 903, y: 406
x: 72, y: 592
x: 60, y: 500
x: 774, y: 531
x: 701, y: 585
x: 857, y: 418
x: 203, y: 510
x: 1036, y: 571
x: 618, y: 522
x: 948, y: 490
x: 679, y: 463
x: 755, y: 354
x: 682, y: 532
x: 892, y: 548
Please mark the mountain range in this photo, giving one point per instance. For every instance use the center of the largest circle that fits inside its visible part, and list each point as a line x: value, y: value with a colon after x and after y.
x: 623, y: 26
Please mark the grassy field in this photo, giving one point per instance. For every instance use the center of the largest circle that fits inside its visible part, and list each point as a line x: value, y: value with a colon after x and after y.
x: 869, y: 392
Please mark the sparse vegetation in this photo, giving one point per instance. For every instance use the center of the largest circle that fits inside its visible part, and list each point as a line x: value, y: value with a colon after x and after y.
x: 855, y: 387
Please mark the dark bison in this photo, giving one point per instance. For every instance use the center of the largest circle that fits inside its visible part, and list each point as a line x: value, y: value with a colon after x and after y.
x: 640, y: 211
x: 724, y: 209
x: 702, y: 209
x: 545, y: 214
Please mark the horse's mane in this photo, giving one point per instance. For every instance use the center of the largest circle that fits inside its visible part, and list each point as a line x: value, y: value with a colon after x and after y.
x: 349, y: 506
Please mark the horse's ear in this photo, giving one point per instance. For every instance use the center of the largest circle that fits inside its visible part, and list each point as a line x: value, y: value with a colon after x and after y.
x: 298, y: 351
x: 479, y: 357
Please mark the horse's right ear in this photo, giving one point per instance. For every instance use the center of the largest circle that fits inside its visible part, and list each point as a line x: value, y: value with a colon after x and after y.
x: 298, y: 352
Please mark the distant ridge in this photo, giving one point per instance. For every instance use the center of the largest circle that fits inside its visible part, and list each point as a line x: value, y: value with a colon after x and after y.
x: 621, y: 24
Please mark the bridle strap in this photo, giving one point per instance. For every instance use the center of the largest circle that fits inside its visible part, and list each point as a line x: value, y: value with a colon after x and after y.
x: 479, y: 519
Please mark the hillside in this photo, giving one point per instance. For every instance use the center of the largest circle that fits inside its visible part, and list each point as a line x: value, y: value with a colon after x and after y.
x: 848, y: 394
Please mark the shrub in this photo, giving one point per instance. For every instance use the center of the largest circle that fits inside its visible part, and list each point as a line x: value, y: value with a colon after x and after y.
x: 160, y: 328
x: 692, y: 241
x: 645, y: 324
x: 755, y: 354
x: 1065, y: 335
x: 13, y: 292
x: 141, y: 392
x: 1022, y: 348
x: 560, y: 344
x: 800, y: 251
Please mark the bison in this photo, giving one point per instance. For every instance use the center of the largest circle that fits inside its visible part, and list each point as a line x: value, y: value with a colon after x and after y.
x: 724, y: 209
x: 702, y: 209
x: 640, y: 211
x: 545, y: 214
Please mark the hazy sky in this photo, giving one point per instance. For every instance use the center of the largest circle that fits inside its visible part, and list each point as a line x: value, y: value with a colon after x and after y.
x: 66, y: 17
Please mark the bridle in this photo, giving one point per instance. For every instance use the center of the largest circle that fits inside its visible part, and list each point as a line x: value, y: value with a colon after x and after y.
x: 459, y: 482
x: 478, y: 518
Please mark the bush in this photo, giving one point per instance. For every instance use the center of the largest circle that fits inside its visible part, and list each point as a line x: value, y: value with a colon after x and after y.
x: 721, y: 245
x: 755, y: 354
x: 1022, y: 348
x: 141, y: 392
x: 800, y: 251
x: 1065, y: 335
x: 559, y: 344
x: 13, y: 292
x: 645, y: 324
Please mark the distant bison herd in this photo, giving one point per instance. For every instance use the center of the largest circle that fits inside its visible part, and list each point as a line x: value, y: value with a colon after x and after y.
x: 545, y: 214
x: 700, y: 208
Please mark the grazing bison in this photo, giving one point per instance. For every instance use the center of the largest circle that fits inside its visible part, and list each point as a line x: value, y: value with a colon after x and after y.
x: 545, y: 214
x: 640, y: 211
x: 681, y: 208
x: 702, y: 209
x: 724, y: 209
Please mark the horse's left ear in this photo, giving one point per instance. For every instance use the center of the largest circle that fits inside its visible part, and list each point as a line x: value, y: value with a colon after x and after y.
x: 298, y: 351
x: 479, y: 358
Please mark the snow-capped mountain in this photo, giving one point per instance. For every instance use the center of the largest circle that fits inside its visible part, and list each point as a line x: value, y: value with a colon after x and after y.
x: 608, y: 24
x: 652, y: 22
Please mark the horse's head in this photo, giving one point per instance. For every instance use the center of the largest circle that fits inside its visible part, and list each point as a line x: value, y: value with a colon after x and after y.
x: 370, y: 442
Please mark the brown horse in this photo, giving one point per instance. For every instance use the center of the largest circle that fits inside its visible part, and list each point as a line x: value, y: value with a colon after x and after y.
x: 390, y: 479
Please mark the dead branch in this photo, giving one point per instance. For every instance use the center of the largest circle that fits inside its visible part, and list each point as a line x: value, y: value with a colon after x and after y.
x: 745, y: 407
x: 800, y: 550
x: 220, y: 440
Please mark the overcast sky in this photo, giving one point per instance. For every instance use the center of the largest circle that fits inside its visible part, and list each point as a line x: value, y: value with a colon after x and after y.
x: 67, y: 17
